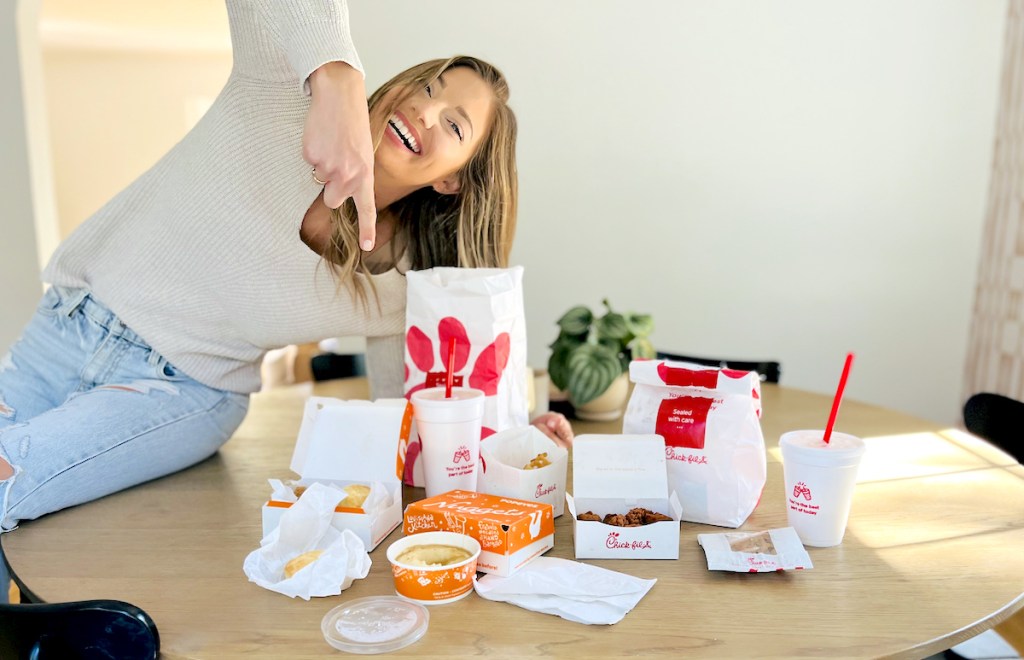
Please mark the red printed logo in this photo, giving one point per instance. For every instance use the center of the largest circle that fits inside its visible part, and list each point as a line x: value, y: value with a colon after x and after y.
x: 682, y: 420
x: 613, y: 543
x: 543, y: 490
x: 801, y: 490
x: 462, y: 454
x: 487, y: 370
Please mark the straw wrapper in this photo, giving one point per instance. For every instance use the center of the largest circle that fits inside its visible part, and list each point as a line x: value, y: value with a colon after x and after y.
x: 755, y: 552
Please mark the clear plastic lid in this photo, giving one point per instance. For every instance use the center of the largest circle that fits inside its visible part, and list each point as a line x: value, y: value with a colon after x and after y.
x: 377, y: 624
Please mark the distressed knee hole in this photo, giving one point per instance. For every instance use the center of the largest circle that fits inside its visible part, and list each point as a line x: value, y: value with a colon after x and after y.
x: 6, y: 470
x: 6, y: 411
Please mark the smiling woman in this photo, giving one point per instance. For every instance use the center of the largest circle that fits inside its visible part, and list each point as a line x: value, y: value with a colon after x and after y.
x: 141, y: 355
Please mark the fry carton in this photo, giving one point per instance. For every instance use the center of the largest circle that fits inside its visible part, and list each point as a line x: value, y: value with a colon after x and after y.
x: 503, y: 460
x: 351, y: 442
x: 612, y: 474
x: 511, y: 532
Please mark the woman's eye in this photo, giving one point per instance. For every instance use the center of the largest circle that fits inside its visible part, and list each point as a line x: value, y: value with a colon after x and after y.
x: 429, y: 91
x: 455, y: 127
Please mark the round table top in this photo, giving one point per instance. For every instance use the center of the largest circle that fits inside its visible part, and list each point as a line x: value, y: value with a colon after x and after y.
x: 932, y: 555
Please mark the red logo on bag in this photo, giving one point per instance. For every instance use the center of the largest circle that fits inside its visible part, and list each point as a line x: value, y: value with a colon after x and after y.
x: 682, y: 421
x: 462, y: 454
x: 487, y: 370
x: 680, y: 377
x: 801, y: 490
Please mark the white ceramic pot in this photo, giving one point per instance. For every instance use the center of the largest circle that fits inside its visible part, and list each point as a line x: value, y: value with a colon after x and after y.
x: 609, y: 406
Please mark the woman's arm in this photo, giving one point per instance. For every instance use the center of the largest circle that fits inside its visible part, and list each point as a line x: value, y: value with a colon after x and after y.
x: 336, y: 142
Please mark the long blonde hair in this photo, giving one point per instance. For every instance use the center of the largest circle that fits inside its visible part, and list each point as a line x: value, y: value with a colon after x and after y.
x: 473, y: 228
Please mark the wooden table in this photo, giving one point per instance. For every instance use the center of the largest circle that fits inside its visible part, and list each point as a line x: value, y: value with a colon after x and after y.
x: 934, y: 553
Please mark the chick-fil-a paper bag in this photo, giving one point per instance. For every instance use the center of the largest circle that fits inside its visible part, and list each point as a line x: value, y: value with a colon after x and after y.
x: 482, y: 309
x: 710, y: 419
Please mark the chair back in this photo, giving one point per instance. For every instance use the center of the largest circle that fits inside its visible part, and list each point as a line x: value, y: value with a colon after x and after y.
x: 769, y: 370
x: 77, y: 631
x: 998, y: 419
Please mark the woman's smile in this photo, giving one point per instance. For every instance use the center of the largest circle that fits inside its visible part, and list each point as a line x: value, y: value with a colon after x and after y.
x: 403, y: 133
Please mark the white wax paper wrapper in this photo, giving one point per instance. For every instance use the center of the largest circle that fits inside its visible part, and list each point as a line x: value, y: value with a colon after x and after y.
x: 569, y: 589
x: 378, y: 496
x: 306, y: 526
x: 755, y: 552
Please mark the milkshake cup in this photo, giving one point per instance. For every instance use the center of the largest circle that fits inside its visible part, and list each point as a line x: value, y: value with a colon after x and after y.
x: 820, y: 479
x: 449, y: 431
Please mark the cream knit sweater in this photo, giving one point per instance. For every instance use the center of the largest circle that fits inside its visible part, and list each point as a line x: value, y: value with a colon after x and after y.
x: 201, y: 255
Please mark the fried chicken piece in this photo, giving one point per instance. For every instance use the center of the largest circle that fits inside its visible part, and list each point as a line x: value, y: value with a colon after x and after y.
x: 589, y: 515
x: 616, y: 519
x: 654, y: 516
x: 635, y: 516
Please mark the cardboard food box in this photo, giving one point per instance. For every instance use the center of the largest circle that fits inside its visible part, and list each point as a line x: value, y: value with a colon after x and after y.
x: 503, y: 457
x: 613, y: 474
x: 511, y: 532
x: 345, y: 442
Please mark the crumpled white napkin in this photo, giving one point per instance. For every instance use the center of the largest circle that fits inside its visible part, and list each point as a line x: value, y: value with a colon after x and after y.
x: 569, y: 589
x: 305, y: 526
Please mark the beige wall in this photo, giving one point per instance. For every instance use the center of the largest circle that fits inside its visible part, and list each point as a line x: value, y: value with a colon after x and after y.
x: 114, y: 113
x: 124, y: 82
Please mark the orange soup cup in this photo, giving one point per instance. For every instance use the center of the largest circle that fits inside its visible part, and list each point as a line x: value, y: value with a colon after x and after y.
x: 434, y: 585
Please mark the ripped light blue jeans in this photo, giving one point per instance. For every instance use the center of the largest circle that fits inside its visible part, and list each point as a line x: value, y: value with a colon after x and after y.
x: 87, y: 408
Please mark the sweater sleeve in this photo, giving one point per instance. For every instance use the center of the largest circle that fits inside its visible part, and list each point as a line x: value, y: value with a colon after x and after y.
x: 311, y: 33
x: 385, y: 366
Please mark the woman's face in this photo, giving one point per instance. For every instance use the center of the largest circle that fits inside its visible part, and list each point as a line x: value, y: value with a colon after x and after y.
x: 433, y: 133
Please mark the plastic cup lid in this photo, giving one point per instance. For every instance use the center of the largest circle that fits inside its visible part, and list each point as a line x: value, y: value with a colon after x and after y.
x: 377, y: 624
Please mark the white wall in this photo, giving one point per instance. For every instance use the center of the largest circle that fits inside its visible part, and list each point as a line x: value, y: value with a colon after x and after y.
x: 769, y: 178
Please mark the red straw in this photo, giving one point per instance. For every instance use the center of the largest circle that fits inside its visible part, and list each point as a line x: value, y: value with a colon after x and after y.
x: 451, y: 369
x: 838, y: 399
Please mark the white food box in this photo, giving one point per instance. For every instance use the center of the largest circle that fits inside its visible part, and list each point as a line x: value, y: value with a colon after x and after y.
x: 345, y: 442
x: 613, y: 474
x: 503, y: 456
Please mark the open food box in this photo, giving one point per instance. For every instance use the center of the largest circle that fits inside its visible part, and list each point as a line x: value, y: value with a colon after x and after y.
x: 612, y: 474
x: 511, y: 532
x: 352, y: 442
x: 525, y: 464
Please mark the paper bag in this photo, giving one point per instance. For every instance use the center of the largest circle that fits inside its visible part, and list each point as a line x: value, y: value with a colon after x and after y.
x: 710, y: 419
x: 482, y: 308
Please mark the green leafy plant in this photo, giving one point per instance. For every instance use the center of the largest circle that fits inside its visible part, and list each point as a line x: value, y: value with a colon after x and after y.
x: 592, y: 351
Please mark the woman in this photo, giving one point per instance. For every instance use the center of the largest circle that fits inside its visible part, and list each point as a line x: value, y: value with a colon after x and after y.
x: 141, y: 356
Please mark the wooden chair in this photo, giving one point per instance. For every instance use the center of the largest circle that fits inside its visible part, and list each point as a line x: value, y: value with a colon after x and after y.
x: 769, y: 370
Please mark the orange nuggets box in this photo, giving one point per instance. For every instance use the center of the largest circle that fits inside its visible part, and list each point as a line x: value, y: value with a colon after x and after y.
x: 511, y: 532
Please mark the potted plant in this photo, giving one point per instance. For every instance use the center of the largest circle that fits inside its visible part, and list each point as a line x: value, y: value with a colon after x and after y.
x: 591, y: 353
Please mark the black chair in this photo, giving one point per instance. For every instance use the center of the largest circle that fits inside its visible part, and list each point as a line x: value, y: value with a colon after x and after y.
x: 83, y: 630
x: 769, y: 370
x: 328, y: 366
x: 998, y: 419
